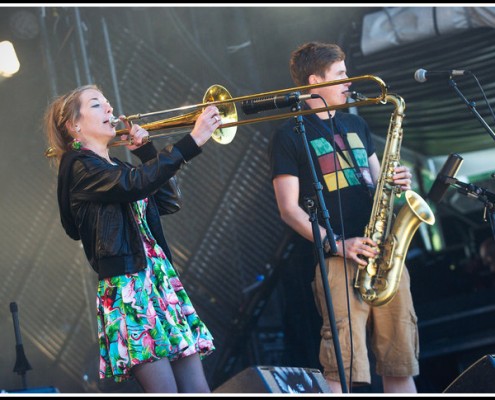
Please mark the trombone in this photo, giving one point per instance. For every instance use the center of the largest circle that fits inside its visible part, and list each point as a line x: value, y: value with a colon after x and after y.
x: 219, y: 96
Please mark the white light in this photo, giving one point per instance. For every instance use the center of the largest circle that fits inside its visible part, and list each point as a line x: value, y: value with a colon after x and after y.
x: 9, y: 64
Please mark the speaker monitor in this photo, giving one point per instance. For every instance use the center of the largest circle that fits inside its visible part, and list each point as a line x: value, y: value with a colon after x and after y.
x: 478, y: 378
x: 268, y: 379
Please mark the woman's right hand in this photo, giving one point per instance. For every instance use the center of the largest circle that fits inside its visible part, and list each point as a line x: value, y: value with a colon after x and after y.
x: 137, y: 135
x: 208, y: 121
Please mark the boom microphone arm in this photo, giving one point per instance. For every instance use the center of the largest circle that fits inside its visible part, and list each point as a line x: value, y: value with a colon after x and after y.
x: 473, y: 191
x: 479, y: 193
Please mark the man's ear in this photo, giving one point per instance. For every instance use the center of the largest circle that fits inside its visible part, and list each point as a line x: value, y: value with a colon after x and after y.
x: 313, y: 79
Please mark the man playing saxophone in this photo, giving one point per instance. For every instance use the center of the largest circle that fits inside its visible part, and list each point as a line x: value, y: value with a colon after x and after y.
x: 348, y: 168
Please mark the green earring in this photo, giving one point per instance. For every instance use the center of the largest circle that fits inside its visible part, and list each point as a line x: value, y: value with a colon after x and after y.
x: 76, y: 145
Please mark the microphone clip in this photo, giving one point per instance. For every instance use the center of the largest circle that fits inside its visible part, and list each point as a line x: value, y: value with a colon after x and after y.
x: 471, y: 190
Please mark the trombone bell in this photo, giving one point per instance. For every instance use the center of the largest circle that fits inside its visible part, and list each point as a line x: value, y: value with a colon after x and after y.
x: 228, y: 113
x: 214, y: 94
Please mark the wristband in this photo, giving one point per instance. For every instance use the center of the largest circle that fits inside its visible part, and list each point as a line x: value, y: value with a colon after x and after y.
x: 327, y: 249
x: 337, y: 238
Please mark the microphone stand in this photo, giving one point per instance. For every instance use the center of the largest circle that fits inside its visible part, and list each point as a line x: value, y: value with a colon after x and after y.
x: 483, y: 195
x: 21, y: 363
x: 312, y: 208
x: 472, y: 106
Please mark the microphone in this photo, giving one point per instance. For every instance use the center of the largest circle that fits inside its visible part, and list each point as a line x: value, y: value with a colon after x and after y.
x: 445, y: 177
x: 273, y: 102
x: 422, y: 75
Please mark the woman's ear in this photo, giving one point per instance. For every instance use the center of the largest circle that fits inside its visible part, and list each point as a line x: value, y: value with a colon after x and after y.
x: 72, y: 128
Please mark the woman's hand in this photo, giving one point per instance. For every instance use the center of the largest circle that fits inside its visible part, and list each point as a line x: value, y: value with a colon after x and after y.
x: 208, y: 121
x: 137, y: 135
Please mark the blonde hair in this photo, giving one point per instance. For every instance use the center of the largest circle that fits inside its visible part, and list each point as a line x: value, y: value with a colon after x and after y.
x: 61, y: 110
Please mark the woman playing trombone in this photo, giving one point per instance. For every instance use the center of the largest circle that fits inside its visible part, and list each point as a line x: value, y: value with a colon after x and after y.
x: 147, y: 326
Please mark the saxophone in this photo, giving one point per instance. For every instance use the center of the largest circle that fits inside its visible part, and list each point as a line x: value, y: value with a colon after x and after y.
x: 378, y: 281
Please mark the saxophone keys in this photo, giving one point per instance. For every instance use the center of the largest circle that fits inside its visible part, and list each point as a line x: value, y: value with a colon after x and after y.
x: 379, y: 226
x: 380, y: 283
x: 371, y: 269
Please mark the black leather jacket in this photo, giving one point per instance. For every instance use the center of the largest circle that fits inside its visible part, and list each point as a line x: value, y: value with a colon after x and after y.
x: 94, y: 199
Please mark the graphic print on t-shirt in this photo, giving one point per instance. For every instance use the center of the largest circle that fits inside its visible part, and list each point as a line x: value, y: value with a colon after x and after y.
x: 344, y: 170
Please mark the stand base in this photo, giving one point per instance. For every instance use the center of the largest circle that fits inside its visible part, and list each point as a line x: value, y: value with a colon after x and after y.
x: 42, y: 389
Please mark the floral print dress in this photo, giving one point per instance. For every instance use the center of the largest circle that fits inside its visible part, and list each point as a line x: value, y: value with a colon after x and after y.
x: 146, y: 316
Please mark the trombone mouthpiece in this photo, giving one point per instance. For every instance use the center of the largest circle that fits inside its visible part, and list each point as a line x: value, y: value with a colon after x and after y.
x: 114, y: 121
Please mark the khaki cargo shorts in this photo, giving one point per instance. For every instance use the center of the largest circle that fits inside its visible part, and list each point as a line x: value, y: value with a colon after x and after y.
x: 390, y: 329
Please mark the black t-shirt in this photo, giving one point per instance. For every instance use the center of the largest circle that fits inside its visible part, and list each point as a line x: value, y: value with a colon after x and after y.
x: 334, y: 169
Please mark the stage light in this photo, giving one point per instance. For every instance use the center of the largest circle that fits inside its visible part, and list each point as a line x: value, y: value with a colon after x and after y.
x: 9, y: 64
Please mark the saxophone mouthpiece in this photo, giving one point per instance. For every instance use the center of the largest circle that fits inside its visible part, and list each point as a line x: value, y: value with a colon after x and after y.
x: 351, y: 94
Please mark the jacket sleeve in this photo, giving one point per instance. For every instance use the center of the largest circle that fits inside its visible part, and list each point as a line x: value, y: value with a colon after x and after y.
x: 93, y: 179
x: 169, y: 197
